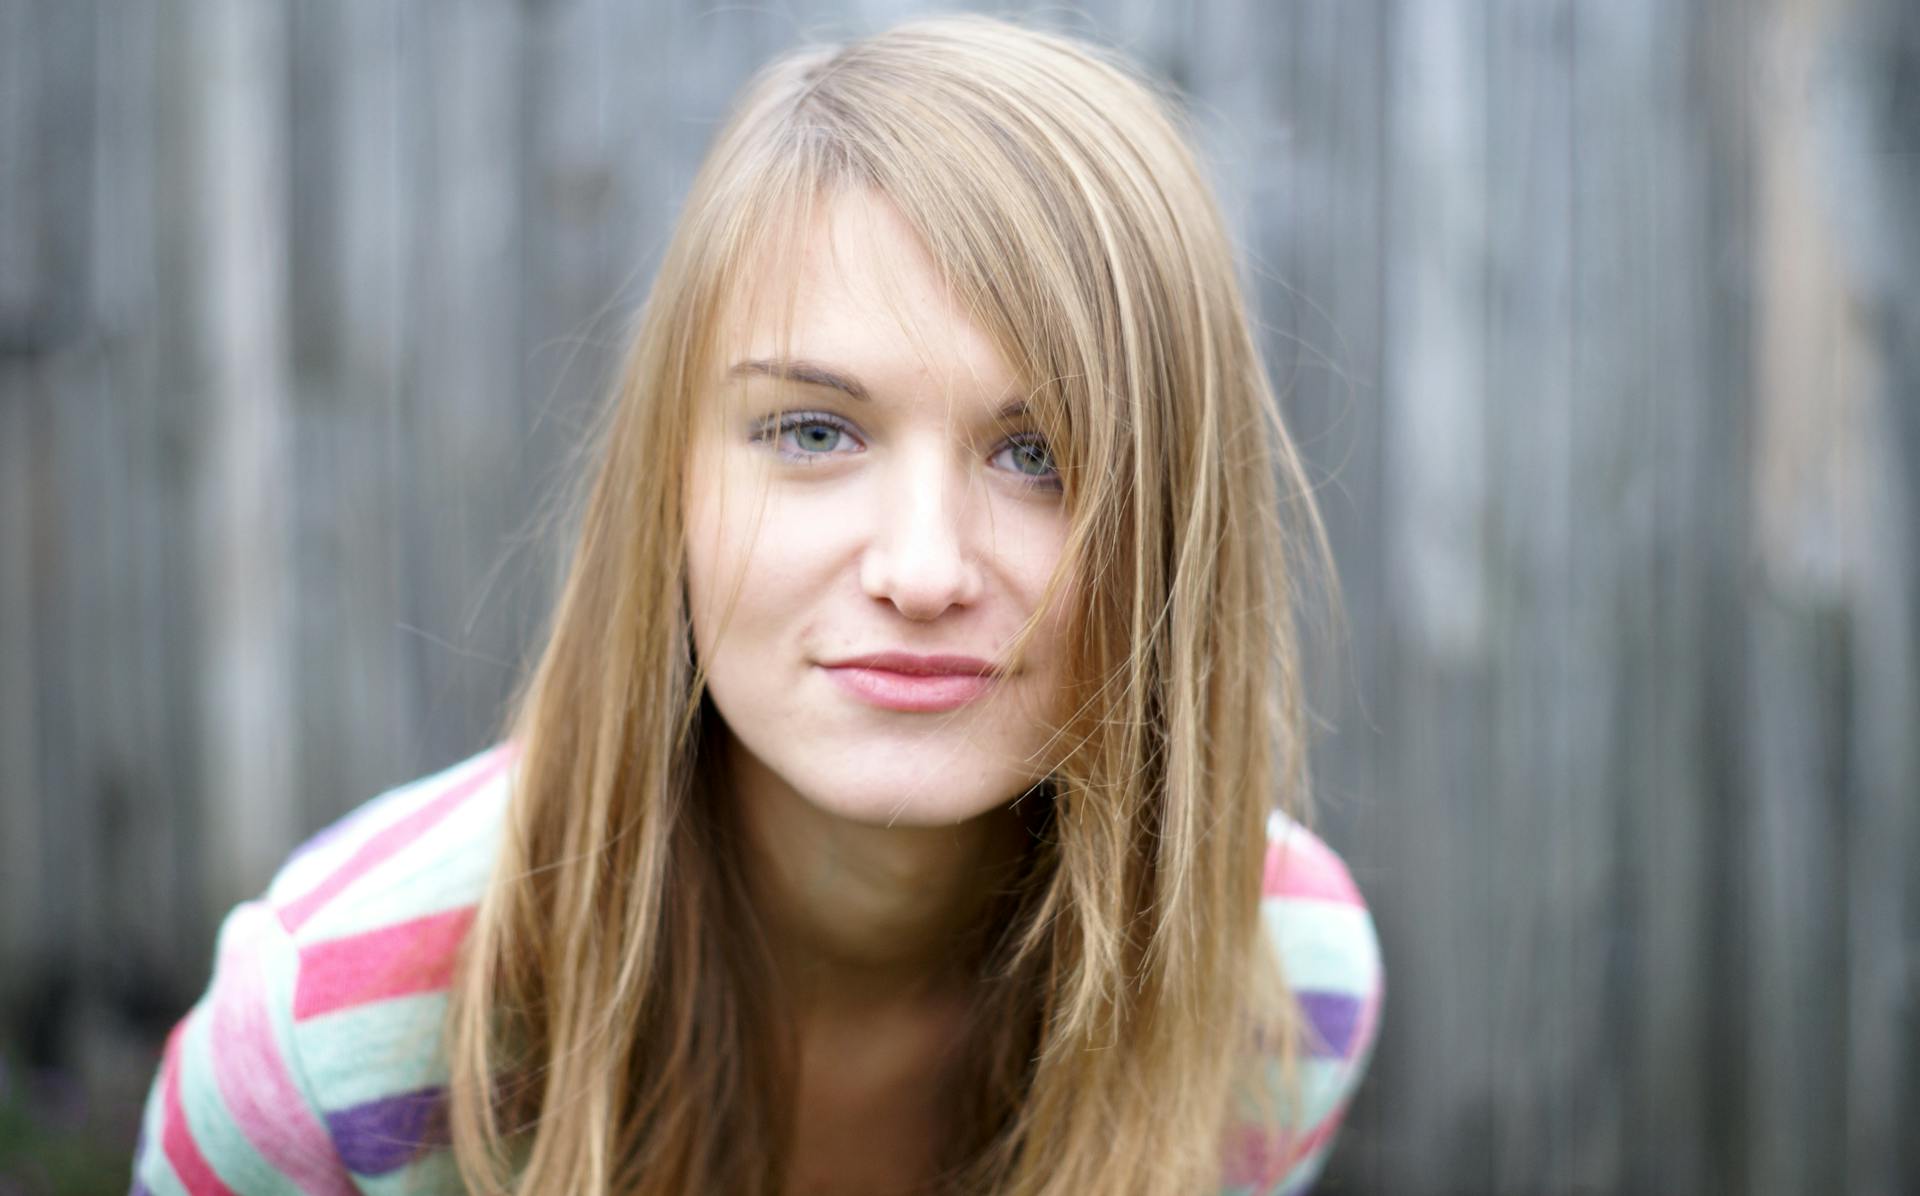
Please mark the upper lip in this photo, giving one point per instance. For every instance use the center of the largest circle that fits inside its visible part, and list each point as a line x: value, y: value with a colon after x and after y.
x: 916, y: 665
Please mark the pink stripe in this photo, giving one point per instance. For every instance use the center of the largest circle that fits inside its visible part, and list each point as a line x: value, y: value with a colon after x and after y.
x: 1300, y: 865
x: 409, y: 957
x: 1259, y: 1156
x: 176, y: 1139
x: 260, y: 1092
x: 384, y: 845
x: 1369, y: 1024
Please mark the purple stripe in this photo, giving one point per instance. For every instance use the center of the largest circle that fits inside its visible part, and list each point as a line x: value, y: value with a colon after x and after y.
x: 386, y: 1134
x: 1334, y: 1017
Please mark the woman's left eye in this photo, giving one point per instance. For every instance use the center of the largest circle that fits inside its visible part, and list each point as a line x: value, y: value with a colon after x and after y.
x: 1029, y: 457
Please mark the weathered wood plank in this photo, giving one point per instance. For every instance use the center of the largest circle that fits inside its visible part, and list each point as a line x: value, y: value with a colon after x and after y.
x: 1865, y: 123
x: 238, y: 106
x: 23, y: 544
x: 1436, y: 409
x: 1593, y: 322
x: 462, y: 376
x: 358, y: 700
x: 1559, y: 1090
x: 1317, y: 175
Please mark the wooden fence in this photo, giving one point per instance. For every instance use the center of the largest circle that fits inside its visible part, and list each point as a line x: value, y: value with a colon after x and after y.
x: 1599, y: 322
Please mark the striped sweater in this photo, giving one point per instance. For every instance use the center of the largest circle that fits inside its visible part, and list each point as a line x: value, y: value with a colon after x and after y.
x: 312, y: 1063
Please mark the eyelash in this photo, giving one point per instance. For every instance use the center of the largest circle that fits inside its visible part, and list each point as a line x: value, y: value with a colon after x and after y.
x: 774, y: 428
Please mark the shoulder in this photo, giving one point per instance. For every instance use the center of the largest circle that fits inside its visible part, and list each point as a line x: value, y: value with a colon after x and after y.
x: 421, y: 849
x: 1324, y: 938
x: 314, y: 1054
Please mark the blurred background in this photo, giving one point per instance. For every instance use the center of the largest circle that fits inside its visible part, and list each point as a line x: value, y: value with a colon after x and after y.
x: 1598, y: 321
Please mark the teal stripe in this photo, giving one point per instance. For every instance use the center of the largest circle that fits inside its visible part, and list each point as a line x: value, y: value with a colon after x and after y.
x: 371, y: 1051
x: 1322, y: 1083
x: 1324, y: 946
x: 1302, y: 1177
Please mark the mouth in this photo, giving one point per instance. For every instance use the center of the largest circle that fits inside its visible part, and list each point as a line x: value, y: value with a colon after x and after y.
x: 911, y: 683
x: 910, y: 664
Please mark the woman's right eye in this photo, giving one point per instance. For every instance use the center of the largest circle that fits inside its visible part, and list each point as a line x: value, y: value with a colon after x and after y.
x: 805, y: 435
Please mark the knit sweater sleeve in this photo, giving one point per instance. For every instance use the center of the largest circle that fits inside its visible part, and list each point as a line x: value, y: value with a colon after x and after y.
x: 1324, y: 936
x: 229, y: 1111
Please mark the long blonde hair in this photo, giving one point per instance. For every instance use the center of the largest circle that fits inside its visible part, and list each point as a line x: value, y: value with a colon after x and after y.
x: 609, y: 1029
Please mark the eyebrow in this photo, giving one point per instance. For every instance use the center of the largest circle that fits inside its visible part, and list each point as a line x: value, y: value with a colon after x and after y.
x: 812, y: 373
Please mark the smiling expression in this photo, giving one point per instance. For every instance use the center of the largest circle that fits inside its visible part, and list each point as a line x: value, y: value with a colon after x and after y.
x: 872, y: 519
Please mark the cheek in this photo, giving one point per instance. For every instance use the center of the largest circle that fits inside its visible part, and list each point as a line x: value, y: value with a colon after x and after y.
x: 1030, y: 562
x: 714, y: 546
x: 747, y: 555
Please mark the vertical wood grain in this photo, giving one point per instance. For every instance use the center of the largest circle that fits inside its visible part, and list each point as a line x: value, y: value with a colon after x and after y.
x: 1594, y: 322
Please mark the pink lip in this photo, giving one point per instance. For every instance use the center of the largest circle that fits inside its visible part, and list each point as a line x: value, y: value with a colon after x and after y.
x: 917, y: 666
x: 902, y: 681
x: 906, y: 691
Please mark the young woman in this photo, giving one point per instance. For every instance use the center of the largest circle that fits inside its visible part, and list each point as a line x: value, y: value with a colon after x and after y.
x: 896, y: 803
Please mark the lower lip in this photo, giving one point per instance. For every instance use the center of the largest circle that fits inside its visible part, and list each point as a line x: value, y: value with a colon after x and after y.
x: 919, y: 693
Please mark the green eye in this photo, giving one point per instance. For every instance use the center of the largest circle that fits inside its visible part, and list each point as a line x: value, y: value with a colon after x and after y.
x: 1029, y: 457
x: 816, y: 438
x: 805, y: 435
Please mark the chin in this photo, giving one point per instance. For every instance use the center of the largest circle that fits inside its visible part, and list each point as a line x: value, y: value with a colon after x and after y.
x: 883, y: 772
x: 905, y: 798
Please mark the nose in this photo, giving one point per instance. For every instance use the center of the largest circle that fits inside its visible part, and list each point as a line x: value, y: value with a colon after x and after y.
x: 920, y: 557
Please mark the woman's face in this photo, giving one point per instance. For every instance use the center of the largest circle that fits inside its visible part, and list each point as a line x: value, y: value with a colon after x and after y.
x: 871, y: 521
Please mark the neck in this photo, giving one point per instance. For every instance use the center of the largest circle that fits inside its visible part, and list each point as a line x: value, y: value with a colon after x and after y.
x: 862, y: 916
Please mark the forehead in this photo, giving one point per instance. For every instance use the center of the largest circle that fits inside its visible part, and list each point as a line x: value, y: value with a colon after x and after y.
x: 863, y: 296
